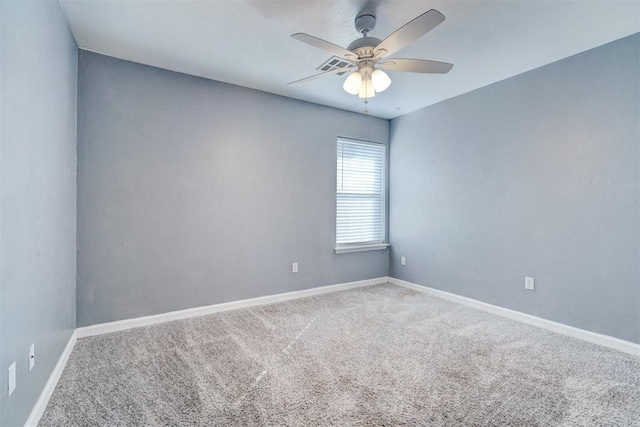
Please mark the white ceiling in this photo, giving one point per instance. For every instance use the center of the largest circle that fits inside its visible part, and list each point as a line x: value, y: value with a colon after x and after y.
x: 248, y: 43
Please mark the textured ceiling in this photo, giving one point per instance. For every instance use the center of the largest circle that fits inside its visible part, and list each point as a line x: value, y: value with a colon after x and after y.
x: 248, y: 43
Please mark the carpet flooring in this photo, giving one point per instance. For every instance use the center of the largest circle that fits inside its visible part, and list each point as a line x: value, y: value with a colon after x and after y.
x: 376, y: 356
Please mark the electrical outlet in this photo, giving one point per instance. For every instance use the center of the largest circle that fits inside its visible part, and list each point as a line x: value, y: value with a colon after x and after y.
x: 32, y: 356
x: 403, y: 260
x: 294, y: 267
x: 529, y: 283
x: 11, y: 380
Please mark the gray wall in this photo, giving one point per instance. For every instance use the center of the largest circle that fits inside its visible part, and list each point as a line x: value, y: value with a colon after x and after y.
x: 194, y: 192
x: 37, y: 196
x: 536, y: 175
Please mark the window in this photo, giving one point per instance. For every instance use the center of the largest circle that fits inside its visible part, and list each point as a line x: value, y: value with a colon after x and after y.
x: 360, y: 198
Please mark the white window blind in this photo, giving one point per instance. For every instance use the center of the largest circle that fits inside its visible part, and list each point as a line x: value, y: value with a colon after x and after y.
x: 360, y: 193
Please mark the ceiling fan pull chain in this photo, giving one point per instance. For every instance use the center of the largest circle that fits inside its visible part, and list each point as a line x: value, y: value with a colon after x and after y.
x: 366, y: 98
x: 366, y: 94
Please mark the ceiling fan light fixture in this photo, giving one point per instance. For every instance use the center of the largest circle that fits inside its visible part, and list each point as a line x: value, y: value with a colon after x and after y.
x: 353, y: 83
x: 381, y: 80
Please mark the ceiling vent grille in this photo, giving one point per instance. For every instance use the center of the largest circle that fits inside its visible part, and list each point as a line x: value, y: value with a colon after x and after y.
x: 333, y: 63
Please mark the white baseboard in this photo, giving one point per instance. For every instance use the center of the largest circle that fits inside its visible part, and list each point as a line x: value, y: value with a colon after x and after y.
x: 592, y: 337
x: 47, y: 391
x: 120, y: 325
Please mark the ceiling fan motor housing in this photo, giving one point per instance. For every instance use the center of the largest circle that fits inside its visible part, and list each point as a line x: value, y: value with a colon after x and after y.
x: 363, y: 47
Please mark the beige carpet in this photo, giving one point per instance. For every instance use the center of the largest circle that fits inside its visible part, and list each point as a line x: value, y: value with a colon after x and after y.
x: 381, y: 355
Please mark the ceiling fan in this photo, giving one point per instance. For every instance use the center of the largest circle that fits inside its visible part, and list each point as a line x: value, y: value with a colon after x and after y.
x: 367, y: 56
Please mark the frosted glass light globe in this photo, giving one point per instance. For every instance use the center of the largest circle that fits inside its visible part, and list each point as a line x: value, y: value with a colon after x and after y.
x: 352, y: 83
x: 381, y: 80
x: 366, y: 89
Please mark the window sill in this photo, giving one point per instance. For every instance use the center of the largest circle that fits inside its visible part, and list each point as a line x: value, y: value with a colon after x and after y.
x: 361, y: 248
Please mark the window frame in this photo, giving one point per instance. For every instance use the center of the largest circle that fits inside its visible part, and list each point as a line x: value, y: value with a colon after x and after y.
x: 340, y: 248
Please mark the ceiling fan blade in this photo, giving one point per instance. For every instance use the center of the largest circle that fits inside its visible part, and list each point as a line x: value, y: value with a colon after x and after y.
x: 324, y: 73
x: 333, y: 49
x: 417, y: 66
x: 409, y: 33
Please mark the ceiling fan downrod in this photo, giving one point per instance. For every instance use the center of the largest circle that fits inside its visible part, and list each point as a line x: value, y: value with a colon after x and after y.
x: 365, y: 23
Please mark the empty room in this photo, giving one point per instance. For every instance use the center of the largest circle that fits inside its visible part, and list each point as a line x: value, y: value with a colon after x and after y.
x: 319, y: 212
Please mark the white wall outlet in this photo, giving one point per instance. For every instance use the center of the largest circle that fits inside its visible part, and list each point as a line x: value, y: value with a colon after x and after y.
x: 403, y: 260
x: 32, y: 356
x: 294, y: 267
x: 529, y: 283
x: 11, y: 380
